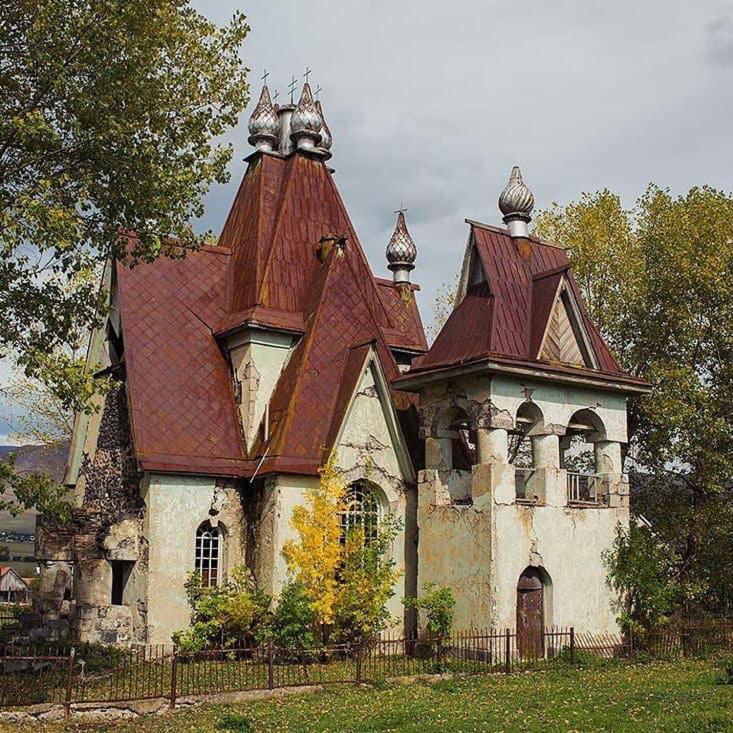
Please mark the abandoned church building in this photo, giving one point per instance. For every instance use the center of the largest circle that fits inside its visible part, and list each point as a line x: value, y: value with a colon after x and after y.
x: 236, y: 371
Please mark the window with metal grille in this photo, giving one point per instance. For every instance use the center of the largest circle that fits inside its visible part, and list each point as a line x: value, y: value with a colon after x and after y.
x: 361, y: 509
x: 208, y: 554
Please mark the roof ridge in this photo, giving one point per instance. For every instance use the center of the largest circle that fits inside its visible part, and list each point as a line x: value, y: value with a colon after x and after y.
x: 503, y: 230
x: 288, y: 174
x: 304, y: 348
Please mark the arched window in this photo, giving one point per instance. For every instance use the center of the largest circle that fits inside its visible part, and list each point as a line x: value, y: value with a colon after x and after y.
x: 208, y: 554
x: 456, y: 425
x: 360, y: 509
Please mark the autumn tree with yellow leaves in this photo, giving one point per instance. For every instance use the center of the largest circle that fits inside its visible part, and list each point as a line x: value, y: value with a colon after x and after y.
x: 349, y: 584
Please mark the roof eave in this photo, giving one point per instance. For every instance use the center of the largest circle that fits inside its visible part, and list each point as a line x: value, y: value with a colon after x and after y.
x: 415, y: 382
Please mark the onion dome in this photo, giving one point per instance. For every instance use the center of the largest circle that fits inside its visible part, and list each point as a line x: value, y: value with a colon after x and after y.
x: 263, y: 124
x: 326, y: 138
x: 401, y: 251
x: 306, y: 124
x: 516, y: 203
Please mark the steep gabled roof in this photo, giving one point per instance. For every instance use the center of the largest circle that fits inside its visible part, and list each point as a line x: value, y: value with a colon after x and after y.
x: 182, y: 410
x: 312, y: 395
x: 507, y: 297
x: 263, y: 273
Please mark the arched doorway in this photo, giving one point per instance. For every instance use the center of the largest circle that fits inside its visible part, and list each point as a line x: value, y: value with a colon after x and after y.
x: 530, y: 614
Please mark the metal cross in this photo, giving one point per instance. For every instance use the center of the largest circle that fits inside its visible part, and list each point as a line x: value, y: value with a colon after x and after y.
x: 292, y: 85
x: 264, y: 76
x: 307, y: 74
x: 275, y: 96
x: 318, y: 91
x: 402, y: 209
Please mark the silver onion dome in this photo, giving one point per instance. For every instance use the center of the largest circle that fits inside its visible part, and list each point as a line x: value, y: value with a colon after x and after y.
x: 264, y: 126
x: 401, y: 251
x: 305, y: 124
x: 326, y: 137
x: 516, y: 199
x: 516, y: 203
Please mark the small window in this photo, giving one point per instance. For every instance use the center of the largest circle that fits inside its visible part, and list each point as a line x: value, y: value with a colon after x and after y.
x: 208, y: 554
x: 121, y: 570
x: 360, y: 509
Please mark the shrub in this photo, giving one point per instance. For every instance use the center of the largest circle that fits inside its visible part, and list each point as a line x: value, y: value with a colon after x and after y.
x: 229, y: 614
x: 438, y: 604
x: 293, y: 620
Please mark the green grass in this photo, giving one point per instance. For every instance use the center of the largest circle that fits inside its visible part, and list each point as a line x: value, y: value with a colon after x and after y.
x: 683, y: 697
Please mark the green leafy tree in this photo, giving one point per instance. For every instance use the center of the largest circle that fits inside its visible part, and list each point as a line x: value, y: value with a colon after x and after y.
x: 640, y: 573
x: 658, y: 280
x: 107, y: 115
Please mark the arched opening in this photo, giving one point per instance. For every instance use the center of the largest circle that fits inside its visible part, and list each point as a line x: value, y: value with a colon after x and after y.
x: 534, y: 611
x: 577, y: 456
x: 208, y: 554
x: 455, y: 426
x: 521, y: 451
x: 361, y: 509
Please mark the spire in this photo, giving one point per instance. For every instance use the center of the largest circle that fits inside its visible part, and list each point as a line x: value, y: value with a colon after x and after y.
x: 401, y: 251
x: 263, y: 124
x: 516, y: 203
x: 305, y: 124
x: 326, y: 138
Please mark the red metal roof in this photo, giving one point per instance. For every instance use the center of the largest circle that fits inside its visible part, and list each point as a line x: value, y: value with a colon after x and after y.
x: 264, y: 273
x: 504, y: 317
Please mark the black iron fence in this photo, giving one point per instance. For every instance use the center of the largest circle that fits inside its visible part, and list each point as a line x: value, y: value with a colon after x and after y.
x: 59, y: 675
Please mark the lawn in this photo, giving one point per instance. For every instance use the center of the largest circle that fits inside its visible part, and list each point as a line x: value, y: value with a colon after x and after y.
x: 684, y: 697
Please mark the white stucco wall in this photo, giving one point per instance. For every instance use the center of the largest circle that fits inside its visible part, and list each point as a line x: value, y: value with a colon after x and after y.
x: 480, y: 551
x: 258, y: 357
x: 559, y: 402
x: 176, y: 506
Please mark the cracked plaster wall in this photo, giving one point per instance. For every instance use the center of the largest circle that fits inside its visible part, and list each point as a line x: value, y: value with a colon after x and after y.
x: 176, y: 506
x: 258, y: 357
x: 481, y: 550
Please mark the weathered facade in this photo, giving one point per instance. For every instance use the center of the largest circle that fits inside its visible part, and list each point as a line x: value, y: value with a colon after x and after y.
x: 237, y: 371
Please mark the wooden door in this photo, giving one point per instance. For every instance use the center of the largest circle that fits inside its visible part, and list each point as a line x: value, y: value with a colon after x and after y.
x: 530, y: 615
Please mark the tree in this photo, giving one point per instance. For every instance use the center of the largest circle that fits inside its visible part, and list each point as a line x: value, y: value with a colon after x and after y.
x: 639, y: 572
x: 107, y: 115
x: 348, y: 583
x: 658, y: 280
x: 367, y: 575
x: 314, y: 558
x: 443, y: 303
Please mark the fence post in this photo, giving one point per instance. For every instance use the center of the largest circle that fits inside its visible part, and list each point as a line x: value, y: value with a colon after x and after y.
x: 69, y: 682
x: 507, y: 653
x: 270, y: 666
x: 439, y: 653
x: 358, y: 662
x: 572, y: 645
x: 174, y: 677
x: 632, y: 652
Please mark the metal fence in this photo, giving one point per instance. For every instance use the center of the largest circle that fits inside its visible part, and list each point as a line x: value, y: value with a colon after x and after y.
x: 65, y: 676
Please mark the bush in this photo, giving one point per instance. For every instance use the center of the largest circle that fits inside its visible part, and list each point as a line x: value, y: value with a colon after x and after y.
x: 438, y: 604
x: 231, y: 614
x: 293, y: 620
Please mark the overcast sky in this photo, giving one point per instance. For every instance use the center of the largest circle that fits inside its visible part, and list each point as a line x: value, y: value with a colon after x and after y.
x: 431, y: 103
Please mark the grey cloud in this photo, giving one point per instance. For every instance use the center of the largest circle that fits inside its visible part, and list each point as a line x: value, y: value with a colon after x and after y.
x: 719, y: 39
